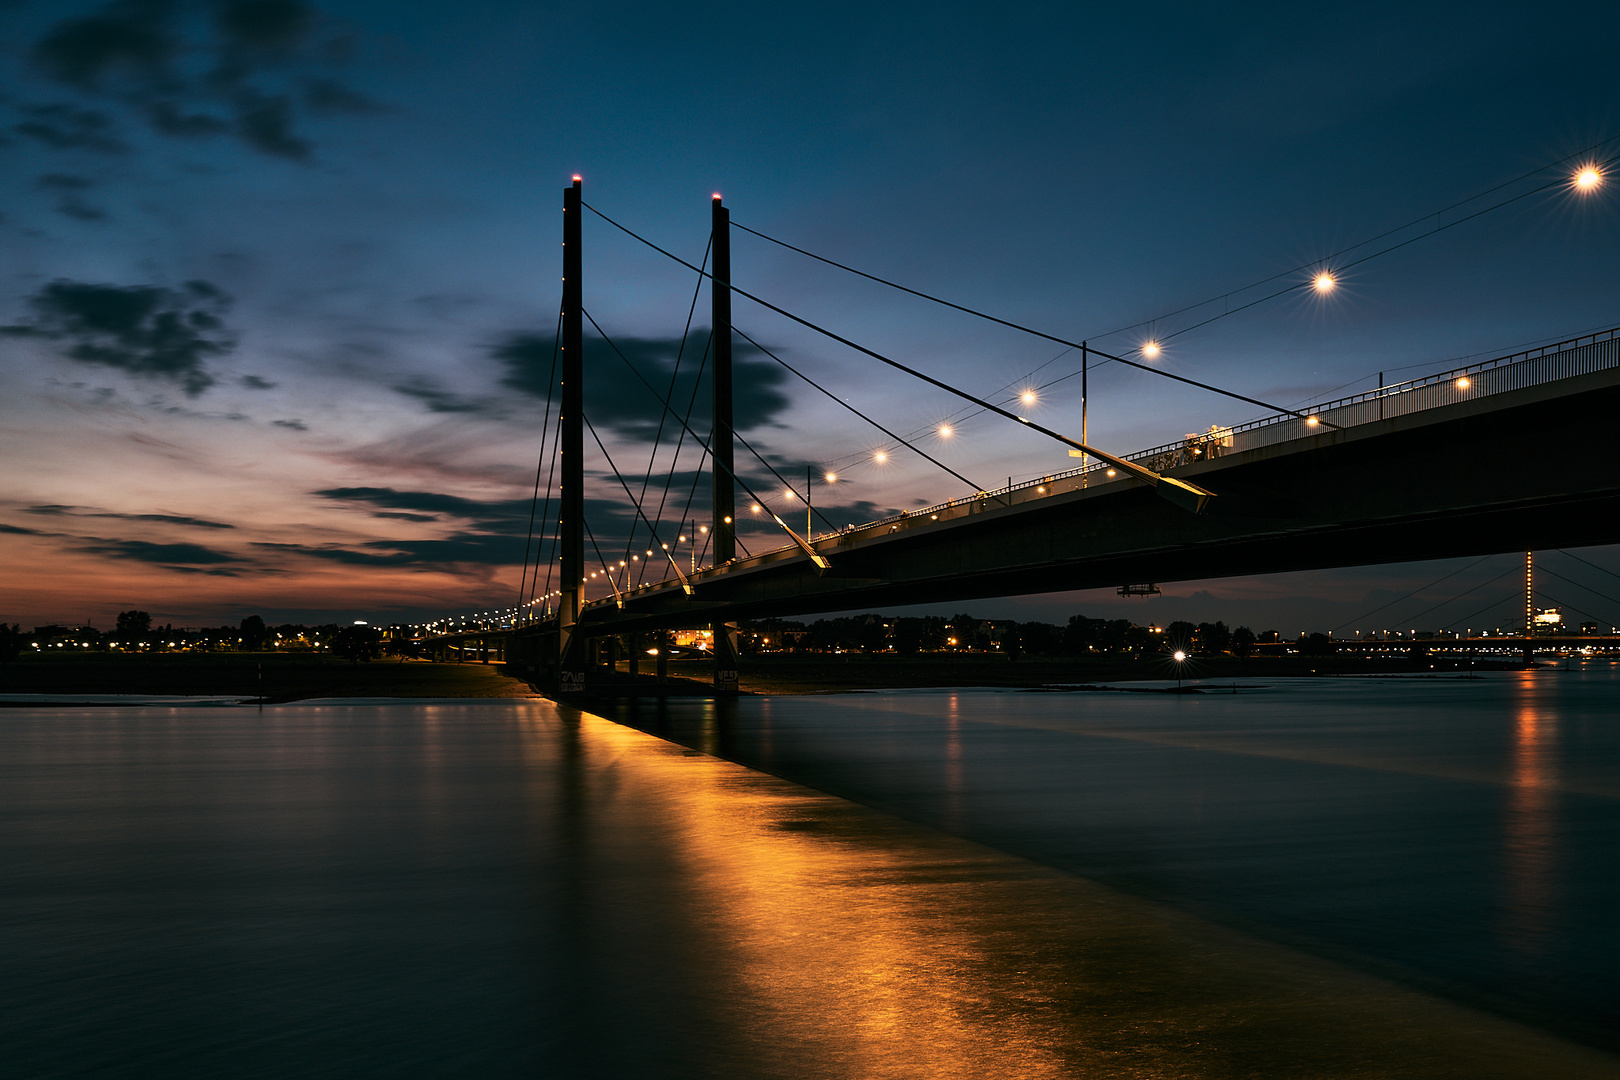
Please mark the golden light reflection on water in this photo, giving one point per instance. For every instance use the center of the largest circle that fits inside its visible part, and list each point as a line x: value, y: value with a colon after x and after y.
x: 1530, y: 831
x: 826, y: 940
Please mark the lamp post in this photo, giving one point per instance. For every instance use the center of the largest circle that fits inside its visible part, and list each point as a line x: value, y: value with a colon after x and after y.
x: 1180, y: 658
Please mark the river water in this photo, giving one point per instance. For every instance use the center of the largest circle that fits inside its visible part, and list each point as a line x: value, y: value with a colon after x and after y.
x: 1333, y: 878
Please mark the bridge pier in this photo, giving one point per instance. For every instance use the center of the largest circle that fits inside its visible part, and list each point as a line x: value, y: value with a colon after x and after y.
x: 725, y: 658
x: 662, y: 639
x: 638, y: 646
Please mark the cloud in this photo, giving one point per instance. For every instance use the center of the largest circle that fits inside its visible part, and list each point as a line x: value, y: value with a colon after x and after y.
x: 503, y: 515
x: 248, y: 69
x: 145, y: 330
x: 291, y: 425
x: 254, y: 382
x: 68, y: 127
x: 142, y: 551
x: 60, y: 510
x: 18, y: 530
x: 497, y: 530
x: 439, y: 401
x: 616, y: 399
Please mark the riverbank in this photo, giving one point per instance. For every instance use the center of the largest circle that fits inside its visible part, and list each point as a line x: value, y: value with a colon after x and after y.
x: 272, y: 677
x: 821, y: 674
x: 280, y: 677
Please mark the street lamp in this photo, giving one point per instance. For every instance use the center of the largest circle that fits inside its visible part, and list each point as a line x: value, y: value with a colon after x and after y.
x: 1180, y: 658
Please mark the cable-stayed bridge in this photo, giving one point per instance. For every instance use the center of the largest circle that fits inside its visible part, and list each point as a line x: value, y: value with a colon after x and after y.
x: 1468, y: 461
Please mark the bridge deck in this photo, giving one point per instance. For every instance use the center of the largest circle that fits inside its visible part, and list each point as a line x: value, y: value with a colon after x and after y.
x: 1516, y: 460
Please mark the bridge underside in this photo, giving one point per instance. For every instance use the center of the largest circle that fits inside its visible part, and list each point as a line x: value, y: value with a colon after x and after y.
x: 1514, y: 471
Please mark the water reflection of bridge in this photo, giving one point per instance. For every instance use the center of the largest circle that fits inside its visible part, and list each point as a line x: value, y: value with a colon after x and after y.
x: 1457, y: 463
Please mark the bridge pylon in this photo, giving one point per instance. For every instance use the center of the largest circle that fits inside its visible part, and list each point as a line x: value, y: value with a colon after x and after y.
x: 722, y: 440
x: 572, y: 656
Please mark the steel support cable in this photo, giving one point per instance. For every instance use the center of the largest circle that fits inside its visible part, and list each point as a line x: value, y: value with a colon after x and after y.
x: 551, y: 476
x: 617, y: 475
x: 1252, y: 285
x: 1593, y: 565
x: 1459, y: 596
x: 1578, y: 585
x: 680, y: 442
x: 784, y: 482
x: 539, y: 461
x: 675, y: 374
x: 733, y: 472
x: 1187, y: 496
x: 1474, y: 615
x: 857, y: 412
x: 946, y: 386
x: 607, y: 568
x: 1408, y: 596
x: 1560, y: 604
x: 651, y: 531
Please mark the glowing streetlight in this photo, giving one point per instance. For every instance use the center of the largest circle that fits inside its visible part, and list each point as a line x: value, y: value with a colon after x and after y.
x: 1587, y: 178
x: 1324, y: 282
x: 880, y: 457
x: 1150, y: 350
x: 1027, y: 397
x: 945, y: 431
x: 831, y: 478
x: 1180, y: 658
x: 1312, y: 421
x: 1463, y: 383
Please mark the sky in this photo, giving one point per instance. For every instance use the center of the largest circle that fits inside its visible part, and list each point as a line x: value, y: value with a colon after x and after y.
x: 279, y: 281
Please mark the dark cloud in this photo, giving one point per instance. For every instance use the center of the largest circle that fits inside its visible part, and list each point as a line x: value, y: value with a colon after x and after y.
x: 254, y: 382
x: 291, y: 425
x: 18, y: 530
x: 616, y: 399
x: 496, y: 534
x: 142, y: 551
x: 500, y: 515
x: 71, y: 189
x: 440, y: 401
x: 63, y: 182
x: 80, y: 210
x: 249, y: 69
x: 142, y: 329
x: 68, y: 127
x: 59, y: 510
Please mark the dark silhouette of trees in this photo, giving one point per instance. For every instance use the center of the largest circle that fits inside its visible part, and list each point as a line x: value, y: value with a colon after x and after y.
x: 1243, y: 641
x: 1317, y: 645
x: 11, y: 642
x: 1179, y: 635
x: 254, y: 633
x: 1213, y: 637
x: 357, y: 643
x: 133, y: 624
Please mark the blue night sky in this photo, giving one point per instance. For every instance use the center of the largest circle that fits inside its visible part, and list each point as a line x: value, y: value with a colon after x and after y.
x: 280, y: 281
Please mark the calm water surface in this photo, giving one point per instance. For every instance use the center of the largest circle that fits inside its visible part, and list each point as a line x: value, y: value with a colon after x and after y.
x: 1315, y: 878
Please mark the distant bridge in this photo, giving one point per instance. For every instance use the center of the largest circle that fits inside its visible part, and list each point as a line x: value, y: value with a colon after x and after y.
x: 1507, y: 455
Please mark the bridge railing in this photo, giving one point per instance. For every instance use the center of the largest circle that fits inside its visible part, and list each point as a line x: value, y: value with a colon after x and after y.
x: 1576, y: 356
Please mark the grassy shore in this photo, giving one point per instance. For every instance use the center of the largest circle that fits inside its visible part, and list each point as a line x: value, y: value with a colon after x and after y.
x: 272, y: 676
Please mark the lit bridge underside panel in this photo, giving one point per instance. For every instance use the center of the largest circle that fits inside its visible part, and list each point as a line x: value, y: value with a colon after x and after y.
x: 1530, y: 468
